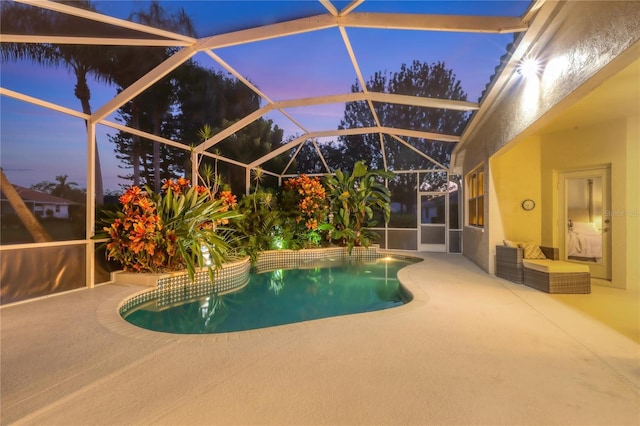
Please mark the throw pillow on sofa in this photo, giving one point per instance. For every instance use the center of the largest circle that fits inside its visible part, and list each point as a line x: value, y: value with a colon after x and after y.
x: 532, y: 251
x: 511, y: 244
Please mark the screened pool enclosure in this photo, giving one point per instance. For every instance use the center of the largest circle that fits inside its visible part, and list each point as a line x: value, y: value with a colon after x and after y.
x: 97, y: 96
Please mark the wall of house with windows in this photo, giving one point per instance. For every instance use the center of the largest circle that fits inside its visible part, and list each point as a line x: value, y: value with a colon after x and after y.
x: 474, y: 233
x: 579, y: 45
x: 475, y: 197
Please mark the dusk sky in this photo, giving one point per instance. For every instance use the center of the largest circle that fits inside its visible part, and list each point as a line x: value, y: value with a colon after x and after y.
x: 38, y: 144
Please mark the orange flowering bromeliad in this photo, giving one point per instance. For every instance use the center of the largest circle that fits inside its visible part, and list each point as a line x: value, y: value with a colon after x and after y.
x: 137, y: 237
x: 169, y: 231
x: 181, y: 185
x: 312, y: 199
x: 229, y: 202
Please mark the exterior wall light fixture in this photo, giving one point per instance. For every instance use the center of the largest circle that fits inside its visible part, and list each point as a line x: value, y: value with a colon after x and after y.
x: 529, y: 67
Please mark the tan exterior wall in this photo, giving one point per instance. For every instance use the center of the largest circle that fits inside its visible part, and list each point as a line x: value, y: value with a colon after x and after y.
x: 577, y: 43
x: 632, y: 207
x: 582, y: 38
x: 605, y: 144
x: 516, y: 177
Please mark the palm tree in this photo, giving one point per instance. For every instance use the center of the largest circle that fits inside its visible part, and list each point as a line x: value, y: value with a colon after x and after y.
x: 131, y: 63
x: 64, y: 188
x: 81, y: 60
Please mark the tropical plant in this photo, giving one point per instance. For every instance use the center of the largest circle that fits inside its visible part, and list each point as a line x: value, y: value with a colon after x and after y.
x: 304, y: 202
x: 182, y: 227
x: 257, y: 228
x: 207, y: 172
x: 353, y: 198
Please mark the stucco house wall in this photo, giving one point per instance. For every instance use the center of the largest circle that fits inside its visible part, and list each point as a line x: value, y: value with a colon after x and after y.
x: 516, y: 176
x: 576, y: 42
x: 611, y: 144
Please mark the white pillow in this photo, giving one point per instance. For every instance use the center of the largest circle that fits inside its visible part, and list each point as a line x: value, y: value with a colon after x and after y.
x: 585, y: 228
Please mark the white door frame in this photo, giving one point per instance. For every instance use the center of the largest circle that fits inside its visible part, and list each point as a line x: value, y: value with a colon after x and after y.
x: 599, y: 269
x: 433, y: 247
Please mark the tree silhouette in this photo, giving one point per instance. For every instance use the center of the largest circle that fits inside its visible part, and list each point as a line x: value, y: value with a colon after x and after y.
x: 82, y: 60
x: 417, y: 79
x: 62, y: 188
x: 150, y: 110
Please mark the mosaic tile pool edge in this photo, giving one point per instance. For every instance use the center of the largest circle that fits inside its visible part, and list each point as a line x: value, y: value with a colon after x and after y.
x: 231, y: 276
x: 284, y: 259
x: 174, y: 288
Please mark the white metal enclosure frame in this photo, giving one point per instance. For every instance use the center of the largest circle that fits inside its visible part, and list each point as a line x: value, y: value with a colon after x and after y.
x: 189, y: 46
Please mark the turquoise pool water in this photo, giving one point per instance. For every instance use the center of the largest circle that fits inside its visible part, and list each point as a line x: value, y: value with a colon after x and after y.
x: 321, y: 289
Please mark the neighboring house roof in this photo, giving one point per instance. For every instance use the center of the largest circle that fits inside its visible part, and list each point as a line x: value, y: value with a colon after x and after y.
x: 39, y: 197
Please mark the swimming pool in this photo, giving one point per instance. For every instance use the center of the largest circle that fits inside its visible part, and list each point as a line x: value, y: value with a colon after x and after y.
x: 319, y: 289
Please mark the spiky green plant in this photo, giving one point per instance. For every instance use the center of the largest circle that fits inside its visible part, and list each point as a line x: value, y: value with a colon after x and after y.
x: 197, y: 220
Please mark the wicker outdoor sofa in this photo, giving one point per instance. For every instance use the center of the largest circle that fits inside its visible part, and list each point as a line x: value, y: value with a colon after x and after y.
x: 549, y: 275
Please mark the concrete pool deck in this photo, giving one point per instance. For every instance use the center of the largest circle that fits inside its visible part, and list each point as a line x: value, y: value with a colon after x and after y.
x: 469, y: 349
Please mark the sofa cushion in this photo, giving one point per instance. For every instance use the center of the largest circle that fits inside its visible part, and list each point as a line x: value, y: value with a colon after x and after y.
x: 553, y: 266
x: 532, y: 251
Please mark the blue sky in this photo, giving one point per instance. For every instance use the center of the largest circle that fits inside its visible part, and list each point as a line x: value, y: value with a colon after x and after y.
x: 37, y: 144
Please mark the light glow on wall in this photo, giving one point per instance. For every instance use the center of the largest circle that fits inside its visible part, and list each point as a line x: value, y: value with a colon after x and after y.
x: 556, y: 68
x: 529, y: 68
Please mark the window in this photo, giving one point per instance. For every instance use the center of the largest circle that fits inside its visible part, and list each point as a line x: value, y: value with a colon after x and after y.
x: 475, y: 191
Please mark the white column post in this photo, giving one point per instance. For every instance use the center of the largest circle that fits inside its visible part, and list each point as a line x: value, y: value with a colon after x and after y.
x: 90, y: 209
x: 194, y: 168
x: 248, y: 180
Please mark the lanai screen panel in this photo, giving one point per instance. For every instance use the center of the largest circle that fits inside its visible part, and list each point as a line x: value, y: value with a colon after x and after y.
x: 298, y: 60
x: 287, y: 51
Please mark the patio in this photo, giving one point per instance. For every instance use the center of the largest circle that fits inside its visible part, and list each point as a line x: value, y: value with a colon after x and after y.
x: 469, y: 349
